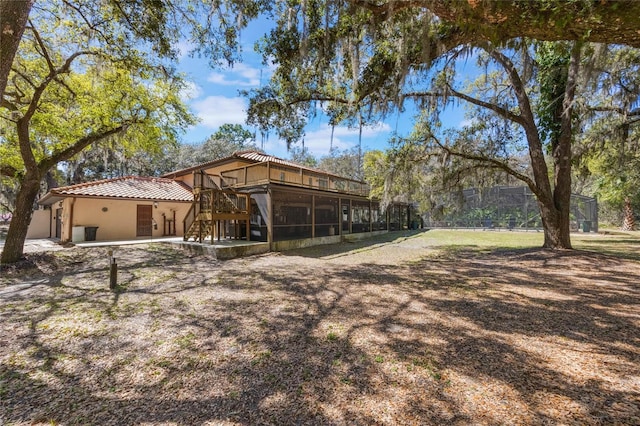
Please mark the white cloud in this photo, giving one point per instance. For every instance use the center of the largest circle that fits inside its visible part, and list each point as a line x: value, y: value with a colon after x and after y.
x: 238, y: 75
x: 190, y: 91
x: 467, y: 122
x: 215, y: 111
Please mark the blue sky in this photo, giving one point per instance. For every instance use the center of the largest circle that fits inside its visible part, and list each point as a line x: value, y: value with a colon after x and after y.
x: 213, y: 97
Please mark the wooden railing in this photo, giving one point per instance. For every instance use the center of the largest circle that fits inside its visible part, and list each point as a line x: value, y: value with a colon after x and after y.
x: 202, y: 180
x: 267, y: 172
x: 188, y: 220
x: 228, y: 202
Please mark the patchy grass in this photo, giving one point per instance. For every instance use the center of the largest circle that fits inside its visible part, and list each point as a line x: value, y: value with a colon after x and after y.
x: 438, y: 327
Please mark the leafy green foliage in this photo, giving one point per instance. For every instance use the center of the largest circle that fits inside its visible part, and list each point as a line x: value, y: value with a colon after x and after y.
x: 608, y: 151
x: 70, y: 88
x: 344, y: 163
x: 228, y: 139
x: 235, y: 134
x: 552, y: 61
x: 301, y: 155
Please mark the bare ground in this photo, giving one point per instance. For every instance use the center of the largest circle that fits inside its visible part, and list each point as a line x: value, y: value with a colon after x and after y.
x: 397, y: 332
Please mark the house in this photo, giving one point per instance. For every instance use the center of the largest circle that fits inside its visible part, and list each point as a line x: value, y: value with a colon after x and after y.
x: 116, y: 209
x: 276, y: 201
x: 248, y: 195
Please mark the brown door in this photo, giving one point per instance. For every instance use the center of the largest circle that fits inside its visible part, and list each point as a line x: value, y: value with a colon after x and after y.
x: 144, y: 222
x: 58, y: 223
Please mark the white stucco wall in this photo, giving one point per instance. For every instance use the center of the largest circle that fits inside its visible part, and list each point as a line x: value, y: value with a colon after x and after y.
x: 39, y: 226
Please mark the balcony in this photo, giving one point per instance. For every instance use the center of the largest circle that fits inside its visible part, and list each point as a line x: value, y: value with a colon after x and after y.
x: 268, y: 172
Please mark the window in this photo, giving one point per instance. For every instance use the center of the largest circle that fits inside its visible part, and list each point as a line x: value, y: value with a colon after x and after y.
x: 292, y: 216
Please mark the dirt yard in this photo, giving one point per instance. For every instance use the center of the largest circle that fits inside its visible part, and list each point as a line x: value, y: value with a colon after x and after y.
x: 425, y: 328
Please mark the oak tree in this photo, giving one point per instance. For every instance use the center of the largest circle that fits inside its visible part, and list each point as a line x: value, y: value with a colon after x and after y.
x: 69, y: 89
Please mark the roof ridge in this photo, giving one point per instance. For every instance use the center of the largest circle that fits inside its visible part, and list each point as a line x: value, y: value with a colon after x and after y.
x: 290, y: 163
x: 108, y: 180
x: 126, y: 187
x: 246, y: 151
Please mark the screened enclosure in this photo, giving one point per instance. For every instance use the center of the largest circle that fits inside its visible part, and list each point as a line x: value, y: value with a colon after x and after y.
x: 298, y: 215
x: 510, y: 208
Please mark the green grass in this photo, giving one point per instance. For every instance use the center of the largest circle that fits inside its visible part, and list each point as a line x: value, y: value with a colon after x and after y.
x: 622, y: 244
x: 483, y: 239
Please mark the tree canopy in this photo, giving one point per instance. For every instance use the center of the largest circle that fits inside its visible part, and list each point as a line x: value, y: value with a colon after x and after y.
x: 361, y: 60
x: 607, y: 151
x: 358, y: 60
x: 70, y: 89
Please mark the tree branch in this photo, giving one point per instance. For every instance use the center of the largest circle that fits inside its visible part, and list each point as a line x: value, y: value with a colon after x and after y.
x: 492, y: 162
x: 4, y: 103
x: 55, y: 158
x: 9, y: 171
x: 472, y: 21
x: 39, y: 90
x: 619, y: 110
x: 503, y: 112
x: 25, y: 77
x: 43, y: 48
x: 90, y: 24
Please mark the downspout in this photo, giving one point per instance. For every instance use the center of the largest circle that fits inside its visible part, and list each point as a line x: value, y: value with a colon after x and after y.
x: 70, y: 225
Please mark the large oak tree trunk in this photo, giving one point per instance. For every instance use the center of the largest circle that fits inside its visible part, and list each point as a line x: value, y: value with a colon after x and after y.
x: 560, y: 232
x: 13, y: 20
x: 556, y: 226
x: 555, y: 203
x: 14, y: 245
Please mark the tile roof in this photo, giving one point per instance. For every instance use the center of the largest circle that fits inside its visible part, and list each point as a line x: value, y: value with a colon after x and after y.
x: 252, y: 156
x: 260, y: 157
x: 143, y: 188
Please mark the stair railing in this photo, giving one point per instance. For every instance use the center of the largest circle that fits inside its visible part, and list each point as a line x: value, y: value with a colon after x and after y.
x: 188, y: 221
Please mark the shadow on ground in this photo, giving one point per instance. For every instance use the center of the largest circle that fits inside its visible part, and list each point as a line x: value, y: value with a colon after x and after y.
x: 504, y: 337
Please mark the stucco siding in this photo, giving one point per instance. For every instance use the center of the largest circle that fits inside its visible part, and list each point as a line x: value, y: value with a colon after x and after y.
x: 116, y: 219
x: 39, y: 226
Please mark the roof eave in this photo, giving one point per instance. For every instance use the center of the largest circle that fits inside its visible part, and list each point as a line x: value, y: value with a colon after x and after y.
x: 51, y: 198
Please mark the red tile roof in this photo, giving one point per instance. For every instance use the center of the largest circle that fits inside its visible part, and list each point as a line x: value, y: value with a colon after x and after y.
x: 130, y: 187
x: 251, y: 156
x: 259, y: 157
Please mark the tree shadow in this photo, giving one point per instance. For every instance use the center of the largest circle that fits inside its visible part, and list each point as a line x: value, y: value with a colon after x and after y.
x: 345, y: 248
x: 466, y: 337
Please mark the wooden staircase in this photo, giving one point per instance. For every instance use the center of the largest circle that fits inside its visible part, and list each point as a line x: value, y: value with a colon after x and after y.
x: 213, y: 207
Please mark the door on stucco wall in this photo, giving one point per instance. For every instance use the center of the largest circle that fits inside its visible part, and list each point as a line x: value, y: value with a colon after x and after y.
x: 58, y: 223
x: 144, y: 221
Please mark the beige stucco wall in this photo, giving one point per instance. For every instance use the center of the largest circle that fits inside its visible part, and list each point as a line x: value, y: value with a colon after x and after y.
x: 118, y: 222
x: 188, y: 178
x: 39, y: 226
x: 227, y: 166
x: 65, y: 232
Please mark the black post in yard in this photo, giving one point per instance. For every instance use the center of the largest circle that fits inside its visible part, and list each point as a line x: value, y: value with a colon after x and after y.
x: 113, y: 271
